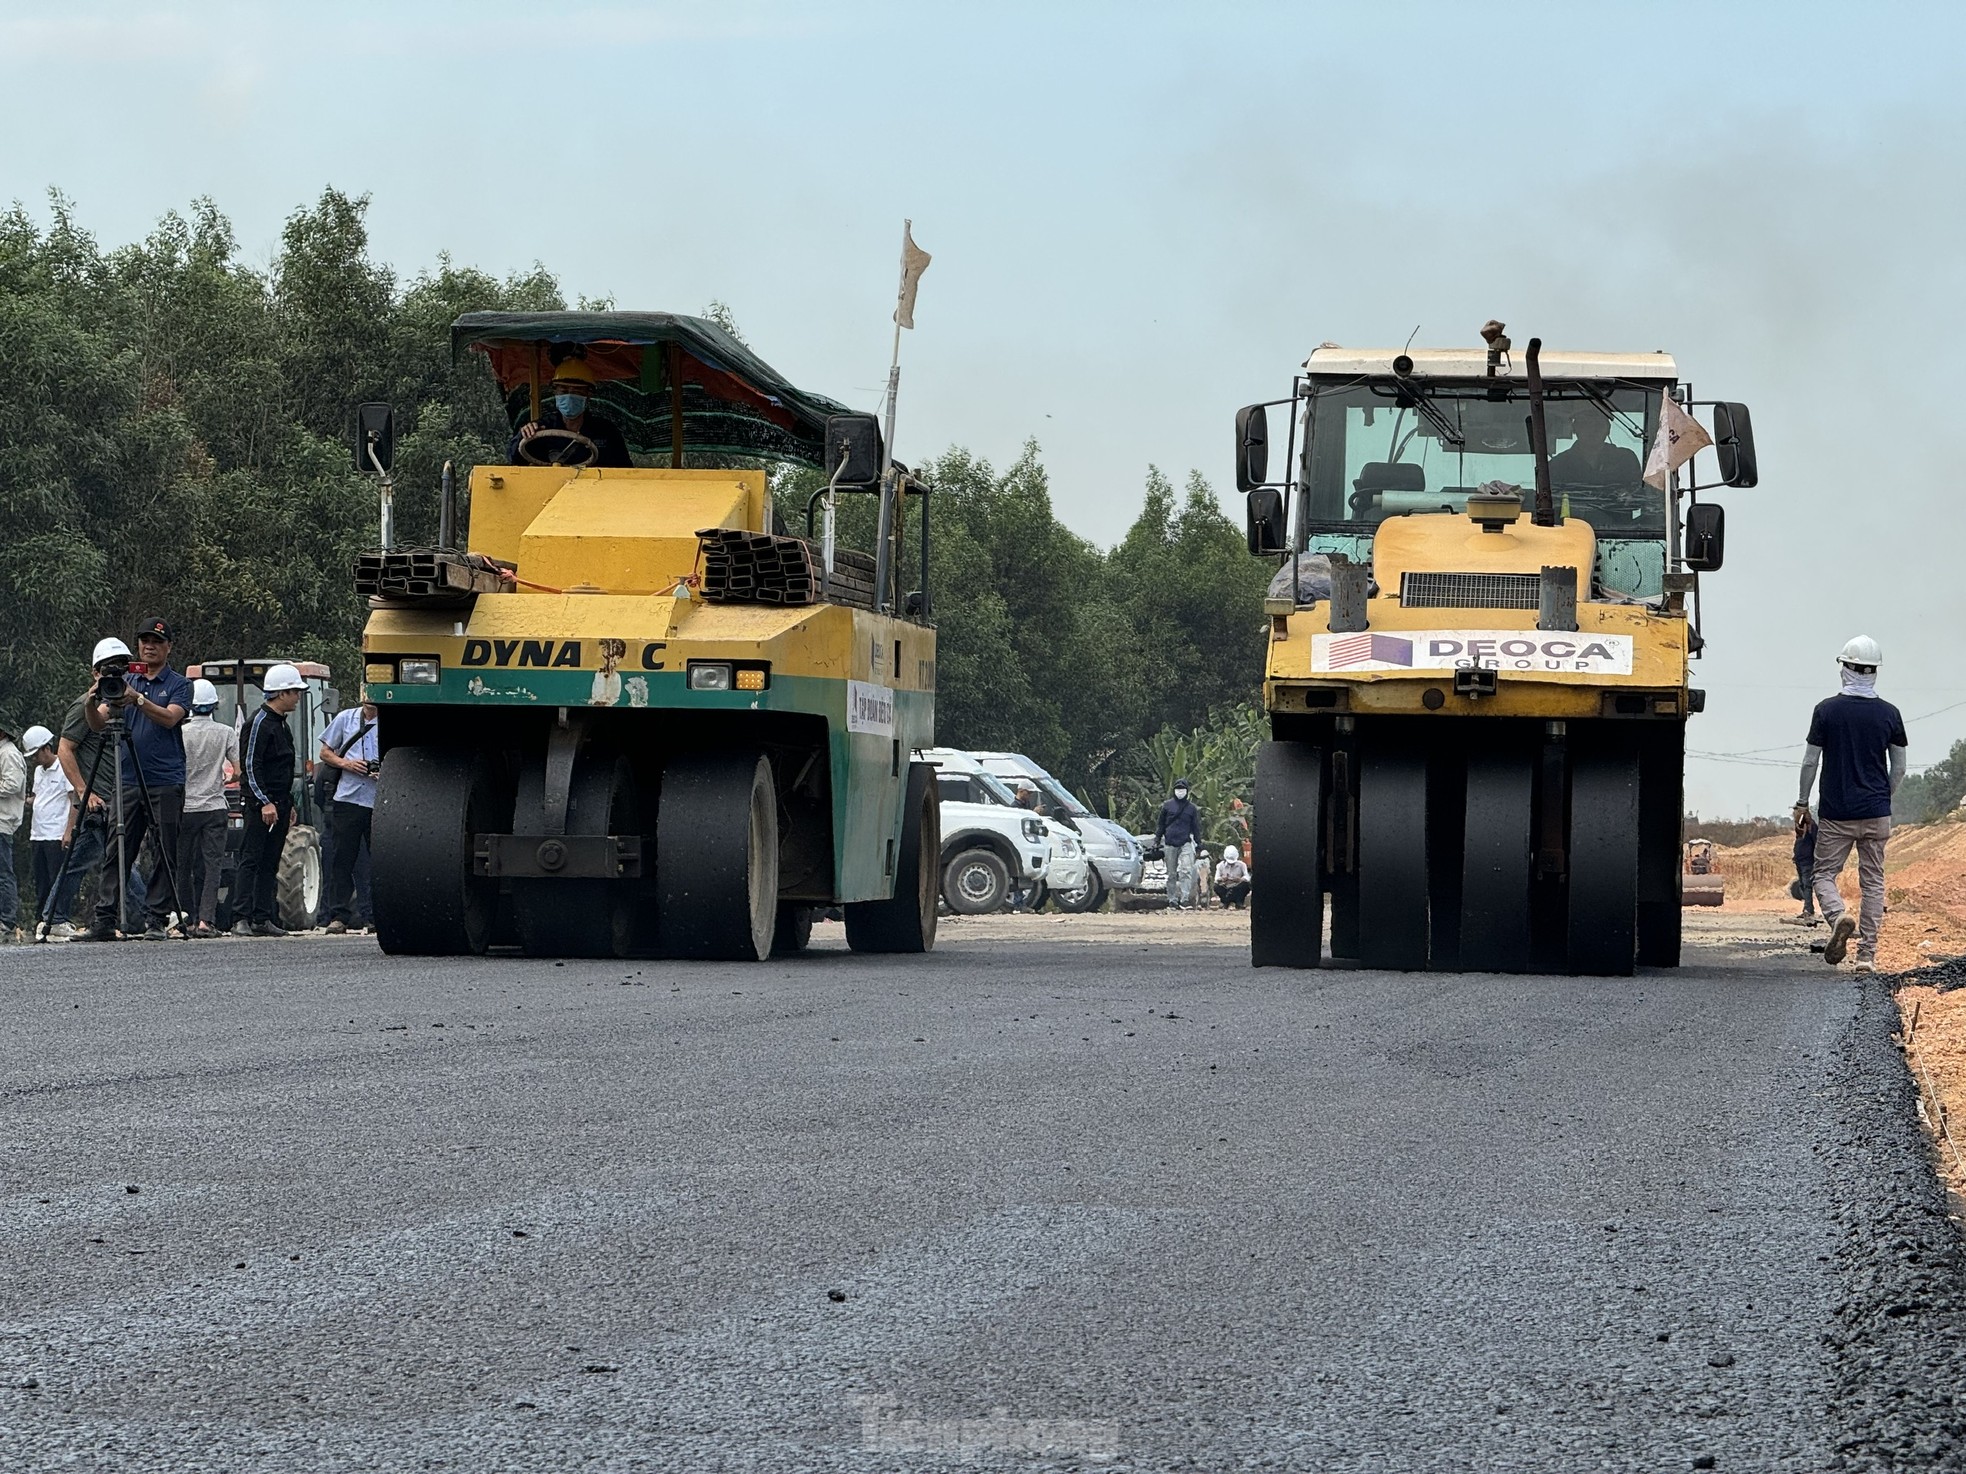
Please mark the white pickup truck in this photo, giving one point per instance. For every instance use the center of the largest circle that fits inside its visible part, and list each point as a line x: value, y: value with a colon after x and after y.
x: 1117, y: 861
x: 991, y: 848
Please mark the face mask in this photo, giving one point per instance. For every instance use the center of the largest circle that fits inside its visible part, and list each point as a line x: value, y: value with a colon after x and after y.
x: 1856, y: 683
x: 570, y: 405
x: 1180, y: 793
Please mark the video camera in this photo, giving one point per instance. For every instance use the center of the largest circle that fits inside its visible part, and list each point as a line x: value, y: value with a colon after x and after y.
x: 112, y: 677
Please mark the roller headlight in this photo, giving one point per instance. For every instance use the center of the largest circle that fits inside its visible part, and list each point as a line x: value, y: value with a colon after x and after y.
x: 418, y: 670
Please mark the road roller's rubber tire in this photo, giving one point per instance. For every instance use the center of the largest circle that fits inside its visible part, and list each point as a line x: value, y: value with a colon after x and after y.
x: 1496, y: 854
x: 976, y: 882
x: 1662, y: 792
x: 1602, y: 928
x: 1077, y: 903
x: 578, y: 918
x: 1286, y: 906
x: 794, y: 929
x: 297, y: 887
x: 430, y: 802
x: 1392, y: 858
x: 906, y: 921
x: 716, y: 857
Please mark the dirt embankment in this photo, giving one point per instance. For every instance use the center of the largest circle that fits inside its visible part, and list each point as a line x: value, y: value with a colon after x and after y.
x: 1924, y: 886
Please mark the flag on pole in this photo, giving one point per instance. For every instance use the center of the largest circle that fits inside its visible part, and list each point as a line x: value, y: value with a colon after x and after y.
x: 914, y: 261
x: 1680, y: 435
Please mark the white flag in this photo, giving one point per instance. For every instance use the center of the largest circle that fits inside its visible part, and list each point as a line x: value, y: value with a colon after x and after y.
x: 1680, y: 436
x: 914, y: 261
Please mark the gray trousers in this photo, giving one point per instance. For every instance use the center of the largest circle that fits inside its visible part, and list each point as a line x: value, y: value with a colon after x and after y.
x: 1180, y: 862
x: 201, y: 837
x: 1835, y: 838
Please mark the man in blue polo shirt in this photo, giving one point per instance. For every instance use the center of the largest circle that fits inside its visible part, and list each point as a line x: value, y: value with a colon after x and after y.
x: 155, y: 700
x: 1857, y: 740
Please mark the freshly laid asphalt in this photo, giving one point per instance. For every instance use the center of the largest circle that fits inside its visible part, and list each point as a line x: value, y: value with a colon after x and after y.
x: 1030, y: 1202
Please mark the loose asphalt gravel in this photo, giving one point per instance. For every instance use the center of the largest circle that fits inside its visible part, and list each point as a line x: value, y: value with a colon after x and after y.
x: 1029, y: 1203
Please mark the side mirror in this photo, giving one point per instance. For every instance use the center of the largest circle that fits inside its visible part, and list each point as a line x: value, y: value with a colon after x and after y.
x: 1252, y: 447
x: 853, y: 451
x: 1268, y: 532
x: 375, y: 431
x: 914, y: 604
x: 1733, y: 444
x: 1706, y: 536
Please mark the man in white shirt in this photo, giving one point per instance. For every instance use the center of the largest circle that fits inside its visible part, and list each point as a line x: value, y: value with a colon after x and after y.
x: 209, y: 748
x: 48, y: 803
x: 13, y: 804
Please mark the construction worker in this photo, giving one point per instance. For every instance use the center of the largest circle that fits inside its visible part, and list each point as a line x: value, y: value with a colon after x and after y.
x: 1232, y: 879
x: 48, y: 800
x: 1178, y: 830
x: 570, y: 391
x: 209, y: 746
x: 1803, y: 887
x: 1857, y: 741
x: 350, y: 744
x: 155, y: 700
x: 266, y: 803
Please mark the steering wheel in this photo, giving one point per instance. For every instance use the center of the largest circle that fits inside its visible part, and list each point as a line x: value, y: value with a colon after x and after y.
x: 568, y: 443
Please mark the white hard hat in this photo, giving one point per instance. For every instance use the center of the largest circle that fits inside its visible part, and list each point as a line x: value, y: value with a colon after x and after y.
x: 281, y: 677
x: 203, y: 693
x: 107, y: 649
x: 34, y: 739
x: 1230, y: 852
x: 1862, y: 651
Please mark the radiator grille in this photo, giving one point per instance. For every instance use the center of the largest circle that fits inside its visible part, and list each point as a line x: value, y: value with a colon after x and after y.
x: 1470, y: 590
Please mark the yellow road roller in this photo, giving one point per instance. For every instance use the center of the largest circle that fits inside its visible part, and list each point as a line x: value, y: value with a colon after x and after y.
x: 1478, y: 643
x: 628, y: 711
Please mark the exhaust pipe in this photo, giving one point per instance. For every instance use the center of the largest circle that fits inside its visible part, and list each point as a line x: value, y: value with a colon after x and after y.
x: 1539, y: 436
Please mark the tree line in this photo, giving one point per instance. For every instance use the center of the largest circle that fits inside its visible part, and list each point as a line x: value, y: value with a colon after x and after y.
x: 178, y: 428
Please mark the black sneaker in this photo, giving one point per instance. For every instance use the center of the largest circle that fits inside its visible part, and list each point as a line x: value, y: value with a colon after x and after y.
x: 156, y: 934
x: 268, y: 929
x: 99, y: 934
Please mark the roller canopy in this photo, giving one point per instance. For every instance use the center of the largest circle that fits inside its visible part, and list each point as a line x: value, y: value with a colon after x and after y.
x: 732, y: 401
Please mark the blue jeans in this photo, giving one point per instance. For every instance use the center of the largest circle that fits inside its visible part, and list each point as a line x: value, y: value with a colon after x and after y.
x: 84, y: 854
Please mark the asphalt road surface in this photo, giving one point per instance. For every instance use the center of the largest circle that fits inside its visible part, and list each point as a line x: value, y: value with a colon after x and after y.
x: 1031, y: 1202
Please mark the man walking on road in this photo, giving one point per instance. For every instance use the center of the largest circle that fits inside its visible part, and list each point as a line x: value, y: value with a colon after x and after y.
x: 266, y: 780
x: 349, y: 744
x: 1178, y: 829
x: 1857, y: 740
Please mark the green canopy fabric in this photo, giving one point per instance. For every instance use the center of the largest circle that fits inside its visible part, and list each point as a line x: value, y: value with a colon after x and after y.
x: 650, y: 365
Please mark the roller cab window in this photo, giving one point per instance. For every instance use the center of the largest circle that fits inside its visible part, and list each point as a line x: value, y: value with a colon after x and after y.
x: 1385, y: 449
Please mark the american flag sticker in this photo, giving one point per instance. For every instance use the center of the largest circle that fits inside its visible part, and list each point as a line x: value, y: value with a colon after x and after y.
x: 1348, y: 652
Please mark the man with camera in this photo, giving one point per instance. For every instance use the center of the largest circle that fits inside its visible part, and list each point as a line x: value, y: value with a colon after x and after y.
x: 350, y: 746
x: 266, y: 803
x: 152, y: 699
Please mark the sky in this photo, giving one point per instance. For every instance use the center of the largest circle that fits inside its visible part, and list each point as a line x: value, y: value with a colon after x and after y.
x: 1145, y: 215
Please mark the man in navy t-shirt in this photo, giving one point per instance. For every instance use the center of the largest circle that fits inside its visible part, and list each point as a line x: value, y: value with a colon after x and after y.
x: 1857, y: 741
x: 155, y: 701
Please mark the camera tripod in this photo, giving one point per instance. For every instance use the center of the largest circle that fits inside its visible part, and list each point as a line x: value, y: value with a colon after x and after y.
x: 118, y: 835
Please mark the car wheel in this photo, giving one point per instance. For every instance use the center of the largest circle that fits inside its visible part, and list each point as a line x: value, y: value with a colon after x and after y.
x: 976, y: 882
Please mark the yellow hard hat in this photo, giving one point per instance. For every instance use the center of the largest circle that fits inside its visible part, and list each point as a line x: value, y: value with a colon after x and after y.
x: 575, y: 371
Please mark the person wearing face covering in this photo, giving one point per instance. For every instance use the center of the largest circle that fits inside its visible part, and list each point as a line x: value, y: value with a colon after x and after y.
x: 1178, y: 828
x: 566, y: 408
x: 1857, y: 743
